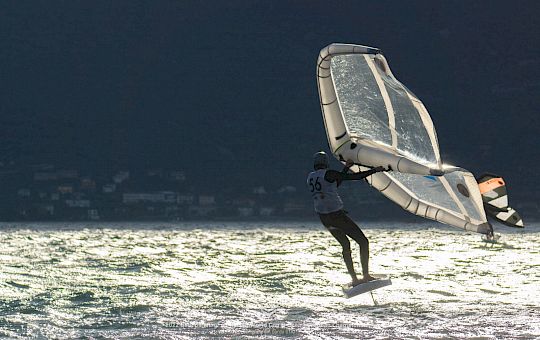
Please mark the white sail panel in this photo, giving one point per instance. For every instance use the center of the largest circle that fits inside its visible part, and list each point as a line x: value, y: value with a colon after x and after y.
x: 374, y: 119
x: 427, y: 188
x: 379, y: 110
x: 360, y: 99
x: 466, y: 190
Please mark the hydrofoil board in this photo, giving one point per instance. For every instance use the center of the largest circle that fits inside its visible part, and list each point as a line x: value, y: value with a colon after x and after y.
x: 379, y: 282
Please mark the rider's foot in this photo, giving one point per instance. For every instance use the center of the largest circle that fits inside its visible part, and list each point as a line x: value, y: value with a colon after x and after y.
x: 367, y: 278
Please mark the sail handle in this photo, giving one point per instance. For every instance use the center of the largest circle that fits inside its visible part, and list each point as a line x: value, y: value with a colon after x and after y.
x: 362, y: 153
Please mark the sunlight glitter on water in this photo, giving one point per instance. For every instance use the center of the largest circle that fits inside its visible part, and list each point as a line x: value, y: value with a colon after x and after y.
x: 244, y: 280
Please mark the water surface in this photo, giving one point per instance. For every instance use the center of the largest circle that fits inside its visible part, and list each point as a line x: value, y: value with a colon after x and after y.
x: 247, y: 280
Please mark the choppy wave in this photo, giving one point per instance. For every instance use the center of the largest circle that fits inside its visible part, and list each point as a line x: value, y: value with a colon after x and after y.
x: 251, y: 280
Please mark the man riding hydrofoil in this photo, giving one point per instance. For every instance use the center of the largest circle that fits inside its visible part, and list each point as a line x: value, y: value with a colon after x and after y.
x: 323, y: 184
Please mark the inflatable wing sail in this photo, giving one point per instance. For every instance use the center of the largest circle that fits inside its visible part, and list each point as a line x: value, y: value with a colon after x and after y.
x: 374, y: 120
x: 495, y: 197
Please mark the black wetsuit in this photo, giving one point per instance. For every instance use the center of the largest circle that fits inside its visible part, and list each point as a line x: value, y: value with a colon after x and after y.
x: 340, y: 225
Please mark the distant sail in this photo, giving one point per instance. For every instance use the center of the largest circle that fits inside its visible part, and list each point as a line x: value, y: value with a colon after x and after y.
x: 374, y: 120
x: 493, y: 190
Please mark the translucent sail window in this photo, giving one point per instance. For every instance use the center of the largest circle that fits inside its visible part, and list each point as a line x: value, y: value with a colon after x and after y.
x: 360, y: 100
